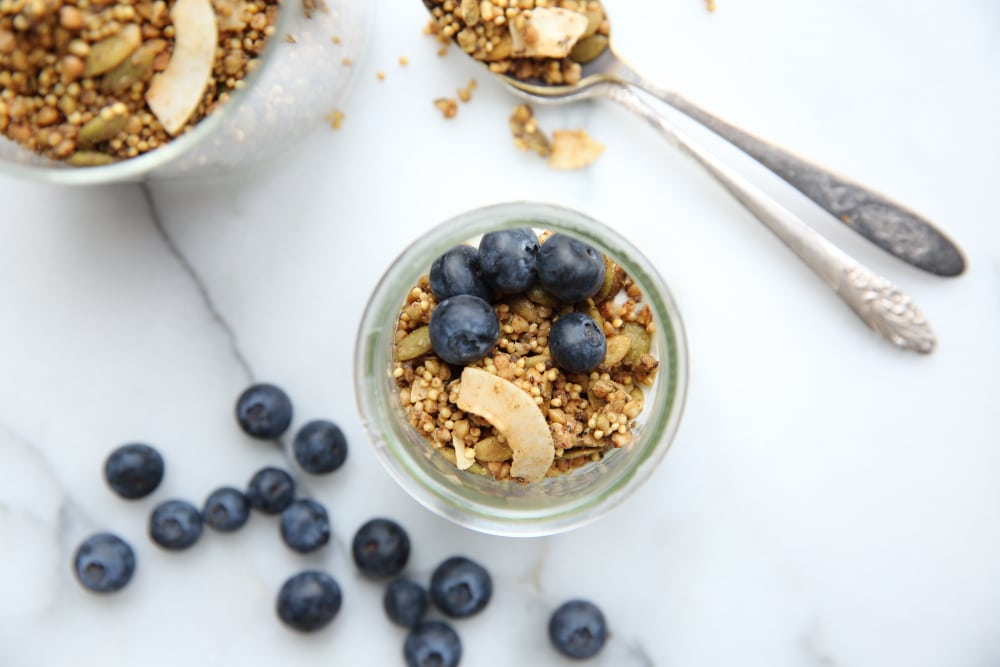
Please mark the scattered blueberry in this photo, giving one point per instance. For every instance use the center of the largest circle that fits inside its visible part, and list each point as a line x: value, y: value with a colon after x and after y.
x: 226, y: 510
x: 432, y: 644
x: 381, y: 548
x: 460, y: 587
x: 305, y: 526
x: 104, y: 563
x: 463, y: 329
x: 405, y: 602
x: 507, y: 259
x: 270, y: 490
x: 264, y: 411
x: 578, y: 629
x: 134, y: 470
x: 457, y: 272
x: 175, y: 524
x: 569, y: 269
x: 320, y: 447
x: 309, y: 600
x: 576, y: 343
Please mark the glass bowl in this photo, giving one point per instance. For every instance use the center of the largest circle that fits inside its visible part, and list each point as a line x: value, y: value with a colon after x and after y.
x: 295, y: 86
x: 480, y: 502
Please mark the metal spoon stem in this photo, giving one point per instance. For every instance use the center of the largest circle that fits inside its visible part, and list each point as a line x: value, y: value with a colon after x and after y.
x: 882, y: 306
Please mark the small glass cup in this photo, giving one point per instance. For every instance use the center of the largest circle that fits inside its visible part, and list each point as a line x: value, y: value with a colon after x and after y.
x: 285, y: 98
x: 480, y: 502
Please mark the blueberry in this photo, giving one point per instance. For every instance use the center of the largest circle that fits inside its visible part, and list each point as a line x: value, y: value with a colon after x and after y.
x: 320, y: 447
x: 576, y: 343
x: 432, y: 644
x: 568, y: 269
x: 264, y: 411
x: 507, y: 259
x: 578, y: 629
x: 134, y: 470
x: 309, y: 600
x: 226, y: 510
x: 405, y: 602
x: 104, y: 563
x: 463, y: 329
x: 270, y: 490
x: 381, y: 548
x: 460, y: 587
x: 175, y: 525
x: 457, y: 272
x: 305, y: 526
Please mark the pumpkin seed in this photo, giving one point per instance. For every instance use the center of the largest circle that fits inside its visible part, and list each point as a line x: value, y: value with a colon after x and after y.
x: 491, y: 449
x: 588, y: 49
x: 580, y: 452
x: 594, y: 18
x: 537, y: 295
x: 104, y: 126
x: 614, y: 278
x: 588, y: 308
x: 110, y: 52
x: 618, y: 347
x: 135, y: 68
x: 416, y: 343
x: 89, y: 159
x: 640, y: 342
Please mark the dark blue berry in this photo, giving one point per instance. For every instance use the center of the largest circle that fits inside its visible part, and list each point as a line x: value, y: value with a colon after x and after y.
x: 463, y: 329
x: 226, y: 510
x: 405, y: 602
x: 460, y: 587
x: 432, y: 644
x: 264, y: 411
x: 320, y: 447
x: 175, y: 524
x: 270, y: 490
x: 381, y: 548
x: 305, y: 526
x: 507, y: 259
x: 309, y: 600
x: 578, y: 629
x: 569, y: 269
x: 457, y: 272
x: 134, y: 470
x: 104, y: 563
x: 576, y: 343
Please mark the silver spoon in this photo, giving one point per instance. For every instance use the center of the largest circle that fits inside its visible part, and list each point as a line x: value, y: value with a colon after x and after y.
x: 882, y: 306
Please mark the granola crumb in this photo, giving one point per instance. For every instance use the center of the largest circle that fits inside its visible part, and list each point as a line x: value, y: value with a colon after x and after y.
x: 380, y: 75
x: 346, y: 61
x: 710, y: 5
x: 442, y: 52
x: 404, y: 61
x: 465, y: 94
x: 335, y: 118
x: 447, y: 106
x: 335, y: 39
x: 290, y: 38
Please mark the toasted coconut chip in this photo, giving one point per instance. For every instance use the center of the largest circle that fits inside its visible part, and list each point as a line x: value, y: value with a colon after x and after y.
x: 462, y: 459
x: 514, y: 414
x: 573, y: 149
x: 175, y: 93
x: 548, y: 32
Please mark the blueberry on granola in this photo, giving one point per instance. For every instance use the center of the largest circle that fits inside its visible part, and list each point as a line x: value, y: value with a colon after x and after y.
x: 305, y: 526
x: 104, y: 563
x: 226, y: 510
x: 463, y: 329
x: 134, y: 470
x: 576, y: 343
x: 569, y: 269
x: 577, y: 629
x: 432, y: 644
x: 308, y: 601
x: 460, y: 587
x: 457, y: 272
x: 507, y: 259
x: 175, y: 525
x: 264, y: 411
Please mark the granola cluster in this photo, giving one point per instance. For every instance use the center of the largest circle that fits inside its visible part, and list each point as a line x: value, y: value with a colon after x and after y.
x: 587, y: 414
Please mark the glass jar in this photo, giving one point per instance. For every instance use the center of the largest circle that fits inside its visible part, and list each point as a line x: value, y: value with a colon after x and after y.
x: 509, y: 507
x: 295, y: 86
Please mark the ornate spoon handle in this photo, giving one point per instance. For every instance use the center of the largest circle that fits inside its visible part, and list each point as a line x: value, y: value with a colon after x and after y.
x: 885, y: 223
x: 882, y: 306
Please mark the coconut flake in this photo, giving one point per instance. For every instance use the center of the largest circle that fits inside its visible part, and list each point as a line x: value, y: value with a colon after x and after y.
x: 175, y: 93
x: 547, y: 32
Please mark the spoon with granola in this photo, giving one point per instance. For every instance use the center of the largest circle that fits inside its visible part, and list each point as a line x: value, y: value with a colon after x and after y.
x: 558, y: 51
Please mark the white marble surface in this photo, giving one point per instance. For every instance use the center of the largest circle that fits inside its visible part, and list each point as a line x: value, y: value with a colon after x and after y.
x: 829, y: 501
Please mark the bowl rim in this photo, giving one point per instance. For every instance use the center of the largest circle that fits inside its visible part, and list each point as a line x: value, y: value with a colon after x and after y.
x: 373, y: 365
